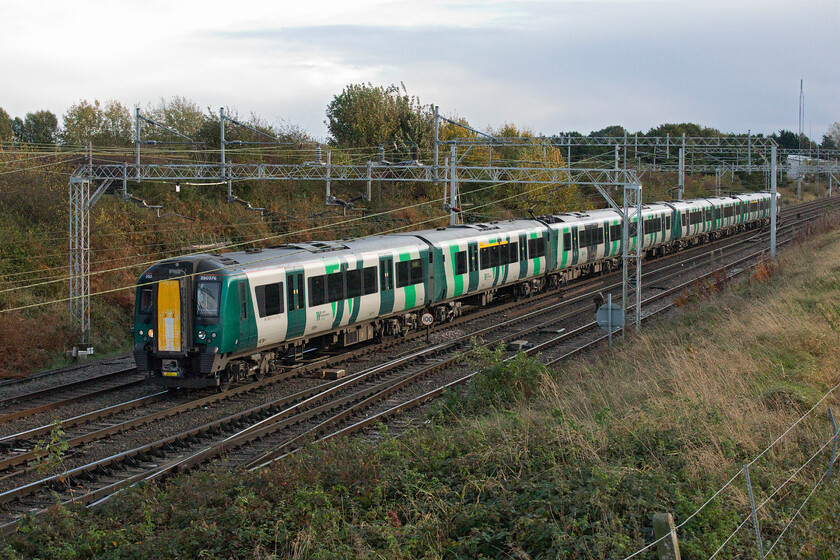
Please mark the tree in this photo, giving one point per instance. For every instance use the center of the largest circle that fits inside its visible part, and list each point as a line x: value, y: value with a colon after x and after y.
x: 831, y: 140
x: 108, y: 126
x: 690, y: 130
x: 5, y: 126
x: 177, y: 113
x: 17, y: 128
x: 609, y: 132
x: 81, y: 122
x: 366, y: 116
x: 117, y: 124
x: 40, y: 127
x: 786, y: 139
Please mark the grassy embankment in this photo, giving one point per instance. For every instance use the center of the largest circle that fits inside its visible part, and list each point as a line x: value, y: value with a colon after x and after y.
x: 529, y: 463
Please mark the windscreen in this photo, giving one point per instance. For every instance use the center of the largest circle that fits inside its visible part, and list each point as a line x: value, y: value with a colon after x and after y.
x: 207, y: 296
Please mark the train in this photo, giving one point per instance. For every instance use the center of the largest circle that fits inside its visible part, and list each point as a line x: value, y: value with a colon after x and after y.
x: 210, y: 320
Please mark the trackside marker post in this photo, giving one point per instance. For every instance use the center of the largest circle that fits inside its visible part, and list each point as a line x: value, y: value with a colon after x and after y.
x: 833, y: 445
x: 754, y: 513
x: 667, y: 548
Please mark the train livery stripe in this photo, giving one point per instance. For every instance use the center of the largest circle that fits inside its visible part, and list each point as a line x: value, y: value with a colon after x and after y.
x: 410, y: 290
x: 458, y: 279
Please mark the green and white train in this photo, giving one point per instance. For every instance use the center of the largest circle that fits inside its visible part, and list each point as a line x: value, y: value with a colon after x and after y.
x: 211, y: 319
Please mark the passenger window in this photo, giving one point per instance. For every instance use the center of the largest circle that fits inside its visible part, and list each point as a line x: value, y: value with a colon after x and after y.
x: 354, y: 283
x: 461, y: 262
x: 335, y: 287
x: 417, y: 271
x: 494, y: 255
x: 536, y: 247
x: 270, y: 299
x: 409, y: 272
x: 369, y: 280
x: 402, y: 274
x: 317, y: 290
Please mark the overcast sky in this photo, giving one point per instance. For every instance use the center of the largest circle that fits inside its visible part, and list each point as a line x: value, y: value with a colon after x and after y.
x: 550, y: 66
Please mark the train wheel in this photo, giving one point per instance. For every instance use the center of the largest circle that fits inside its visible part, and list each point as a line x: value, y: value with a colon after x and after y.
x: 265, y: 367
x: 224, y: 382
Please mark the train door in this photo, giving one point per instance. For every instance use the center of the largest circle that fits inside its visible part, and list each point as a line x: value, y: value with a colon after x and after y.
x: 472, y: 263
x: 432, y: 261
x: 386, y: 284
x: 566, y: 248
x: 295, y: 302
x: 170, y: 315
x: 575, y: 247
x: 523, y: 255
x: 439, y: 267
x: 553, y: 242
x: 676, y: 225
x: 247, y: 325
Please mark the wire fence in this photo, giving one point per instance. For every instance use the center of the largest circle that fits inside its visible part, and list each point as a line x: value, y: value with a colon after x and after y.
x: 752, y: 515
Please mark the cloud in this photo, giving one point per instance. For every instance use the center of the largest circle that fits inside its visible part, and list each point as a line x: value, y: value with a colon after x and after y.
x: 546, y: 65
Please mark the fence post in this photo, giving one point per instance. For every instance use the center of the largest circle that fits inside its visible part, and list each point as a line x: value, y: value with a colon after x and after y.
x: 667, y: 548
x: 833, y: 445
x: 754, y: 513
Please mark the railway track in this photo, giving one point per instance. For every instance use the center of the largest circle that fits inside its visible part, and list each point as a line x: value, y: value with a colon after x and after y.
x: 51, y: 398
x: 258, y: 434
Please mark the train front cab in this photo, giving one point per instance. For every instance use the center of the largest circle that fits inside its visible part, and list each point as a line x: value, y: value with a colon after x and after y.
x: 170, y: 304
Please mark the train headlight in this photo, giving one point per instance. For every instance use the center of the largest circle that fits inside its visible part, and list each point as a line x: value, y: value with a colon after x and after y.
x: 140, y: 332
x: 212, y: 335
x: 201, y: 335
x: 151, y: 333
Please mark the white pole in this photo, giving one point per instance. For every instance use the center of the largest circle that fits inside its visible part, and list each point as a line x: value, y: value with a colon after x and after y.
x: 453, y: 187
x: 773, y: 202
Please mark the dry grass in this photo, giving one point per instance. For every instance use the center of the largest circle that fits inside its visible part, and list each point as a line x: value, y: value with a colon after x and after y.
x: 725, y: 377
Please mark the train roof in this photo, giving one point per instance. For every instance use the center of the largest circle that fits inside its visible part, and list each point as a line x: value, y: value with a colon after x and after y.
x: 470, y: 231
x: 308, y: 251
x: 299, y: 253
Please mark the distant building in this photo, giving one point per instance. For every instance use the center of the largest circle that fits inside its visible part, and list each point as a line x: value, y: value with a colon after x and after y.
x: 798, y: 166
